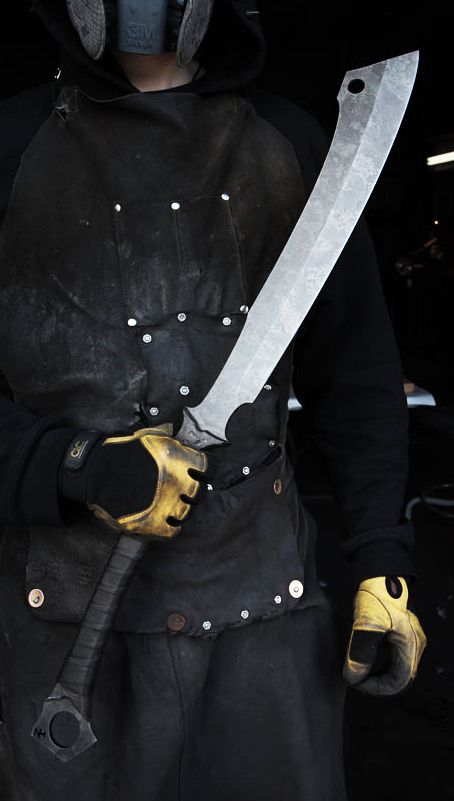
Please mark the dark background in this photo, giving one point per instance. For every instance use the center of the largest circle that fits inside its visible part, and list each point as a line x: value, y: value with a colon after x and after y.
x: 396, y: 749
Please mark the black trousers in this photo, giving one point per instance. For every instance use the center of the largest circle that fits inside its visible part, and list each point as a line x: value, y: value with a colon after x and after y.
x: 254, y: 714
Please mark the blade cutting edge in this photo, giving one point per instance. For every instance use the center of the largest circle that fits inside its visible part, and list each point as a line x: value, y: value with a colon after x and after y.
x: 372, y: 102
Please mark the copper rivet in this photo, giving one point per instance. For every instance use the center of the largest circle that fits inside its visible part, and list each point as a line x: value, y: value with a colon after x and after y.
x: 278, y: 486
x: 176, y: 622
x: 36, y: 598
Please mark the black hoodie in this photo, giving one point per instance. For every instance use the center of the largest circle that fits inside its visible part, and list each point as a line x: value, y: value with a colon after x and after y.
x: 346, y: 368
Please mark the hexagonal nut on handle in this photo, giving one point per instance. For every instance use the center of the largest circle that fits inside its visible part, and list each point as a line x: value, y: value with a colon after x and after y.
x: 62, y: 728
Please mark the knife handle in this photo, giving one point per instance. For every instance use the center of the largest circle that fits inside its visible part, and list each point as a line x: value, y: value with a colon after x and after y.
x: 79, y: 669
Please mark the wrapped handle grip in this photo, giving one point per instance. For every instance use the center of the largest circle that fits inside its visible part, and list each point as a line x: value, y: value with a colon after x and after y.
x: 71, y: 695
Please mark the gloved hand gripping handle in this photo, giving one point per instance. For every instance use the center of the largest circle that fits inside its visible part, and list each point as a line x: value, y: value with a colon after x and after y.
x: 175, y: 485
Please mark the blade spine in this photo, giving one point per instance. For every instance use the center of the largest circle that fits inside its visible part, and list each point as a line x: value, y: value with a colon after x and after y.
x: 294, y: 236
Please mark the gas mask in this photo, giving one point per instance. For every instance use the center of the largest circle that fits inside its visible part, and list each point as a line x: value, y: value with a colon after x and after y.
x: 146, y: 27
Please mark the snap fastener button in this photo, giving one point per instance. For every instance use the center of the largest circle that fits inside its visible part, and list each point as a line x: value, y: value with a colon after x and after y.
x: 154, y: 411
x: 147, y: 338
x: 36, y: 598
x: 245, y: 614
x: 117, y: 207
x: 175, y: 206
x: 277, y: 486
x: 176, y: 621
x: 226, y: 321
x: 132, y: 322
x: 277, y: 599
x: 296, y: 588
x: 181, y: 317
x: 206, y: 625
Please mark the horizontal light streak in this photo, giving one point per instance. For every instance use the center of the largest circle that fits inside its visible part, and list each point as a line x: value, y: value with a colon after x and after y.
x: 442, y: 158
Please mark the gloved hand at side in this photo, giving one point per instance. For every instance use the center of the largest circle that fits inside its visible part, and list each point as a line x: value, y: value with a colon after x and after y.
x: 144, y: 483
x: 381, y: 617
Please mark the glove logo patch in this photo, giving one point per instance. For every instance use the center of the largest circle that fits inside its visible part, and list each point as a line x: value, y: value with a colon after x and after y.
x: 78, y: 449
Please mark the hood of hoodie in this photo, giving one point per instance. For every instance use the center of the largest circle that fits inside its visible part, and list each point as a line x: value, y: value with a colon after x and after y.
x: 232, y: 53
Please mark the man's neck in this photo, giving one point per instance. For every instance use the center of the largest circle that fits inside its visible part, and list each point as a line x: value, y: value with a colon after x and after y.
x: 154, y: 73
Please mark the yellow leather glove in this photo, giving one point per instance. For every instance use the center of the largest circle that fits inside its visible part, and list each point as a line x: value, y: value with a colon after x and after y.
x: 381, y: 615
x: 143, y: 483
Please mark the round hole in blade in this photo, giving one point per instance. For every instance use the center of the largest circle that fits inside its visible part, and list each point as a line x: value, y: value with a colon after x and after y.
x: 356, y: 86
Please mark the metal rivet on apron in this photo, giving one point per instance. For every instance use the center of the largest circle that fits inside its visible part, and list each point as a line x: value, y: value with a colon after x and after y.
x: 244, y: 309
x: 206, y: 625
x: 184, y: 390
x: 296, y: 588
x: 117, y: 207
x: 277, y: 486
x: 132, y: 322
x: 175, y: 206
x: 268, y: 387
x: 245, y: 614
x: 271, y: 443
x: 246, y: 470
x: 225, y: 196
x: 226, y: 321
x: 277, y: 599
x: 147, y: 338
x: 181, y: 317
x: 154, y: 411
x: 36, y: 598
x: 209, y: 487
x: 176, y: 621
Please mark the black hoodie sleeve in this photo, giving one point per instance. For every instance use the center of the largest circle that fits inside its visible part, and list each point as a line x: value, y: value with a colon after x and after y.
x: 31, y: 450
x: 31, y: 446
x: 348, y: 378
x: 21, y: 116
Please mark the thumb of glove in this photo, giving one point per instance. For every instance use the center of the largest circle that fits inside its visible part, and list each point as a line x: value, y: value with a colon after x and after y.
x: 362, y: 655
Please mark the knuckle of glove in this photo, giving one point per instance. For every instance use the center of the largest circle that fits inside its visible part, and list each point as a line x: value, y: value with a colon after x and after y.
x: 176, y: 488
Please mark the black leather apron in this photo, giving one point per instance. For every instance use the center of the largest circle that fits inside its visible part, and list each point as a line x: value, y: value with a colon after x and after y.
x: 138, y: 234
